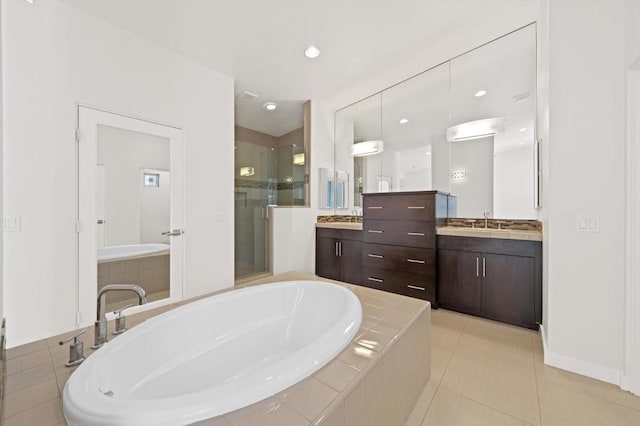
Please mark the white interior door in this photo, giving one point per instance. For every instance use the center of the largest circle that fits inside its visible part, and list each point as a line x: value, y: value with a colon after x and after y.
x: 121, y: 204
x: 101, y: 214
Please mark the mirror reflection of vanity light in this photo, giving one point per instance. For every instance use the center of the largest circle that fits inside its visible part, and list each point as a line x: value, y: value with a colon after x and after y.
x: 298, y: 159
x: 475, y: 129
x: 365, y: 148
x: 247, y: 171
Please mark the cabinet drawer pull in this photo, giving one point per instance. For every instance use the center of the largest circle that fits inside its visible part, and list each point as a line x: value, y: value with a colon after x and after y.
x: 377, y: 256
x: 416, y: 234
x: 415, y: 287
x: 415, y: 207
x: 375, y: 231
x: 416, y: 261
x: 378, y: 280
x: 375, y: 207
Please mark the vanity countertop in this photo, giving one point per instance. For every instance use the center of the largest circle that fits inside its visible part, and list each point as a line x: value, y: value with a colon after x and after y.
x: 505, y: 234
x: 356, y: 226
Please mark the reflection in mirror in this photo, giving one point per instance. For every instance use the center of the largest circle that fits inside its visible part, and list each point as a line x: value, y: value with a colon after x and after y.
x: 466, y: 127
x: 496, y: 81
x: 342, y: 190
x: 133, y: 202
x: 326, y: 187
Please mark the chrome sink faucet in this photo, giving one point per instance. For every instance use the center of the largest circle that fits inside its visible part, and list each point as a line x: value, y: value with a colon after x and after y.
x: 101, y: 323
x: 486, y: 219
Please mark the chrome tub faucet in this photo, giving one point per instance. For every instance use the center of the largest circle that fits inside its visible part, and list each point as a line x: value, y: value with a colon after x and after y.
x: 101, y: 322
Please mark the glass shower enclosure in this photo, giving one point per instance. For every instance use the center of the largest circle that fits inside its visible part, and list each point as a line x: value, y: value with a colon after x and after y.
x: 265, y: 176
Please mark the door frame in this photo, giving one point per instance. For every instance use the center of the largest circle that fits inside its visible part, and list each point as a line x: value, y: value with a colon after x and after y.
x: 630, y: 379
x: 87, y: 143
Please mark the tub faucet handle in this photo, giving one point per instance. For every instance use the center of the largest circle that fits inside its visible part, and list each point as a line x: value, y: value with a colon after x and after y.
x: 76, y: 349
x: 121, y: 324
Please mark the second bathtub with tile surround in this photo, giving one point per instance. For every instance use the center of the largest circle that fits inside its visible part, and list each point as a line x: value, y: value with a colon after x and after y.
x: 214, y: 355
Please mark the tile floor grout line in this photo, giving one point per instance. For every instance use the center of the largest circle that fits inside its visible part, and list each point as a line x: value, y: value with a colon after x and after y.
x: 424, y: 416
x: 535, y: 372
x: 596, y: 397
x: 487, y: 406
x: 4, y: 419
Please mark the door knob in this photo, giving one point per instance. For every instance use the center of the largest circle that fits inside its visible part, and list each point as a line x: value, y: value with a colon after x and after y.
x: 101, y: 221
x: 173, y: 233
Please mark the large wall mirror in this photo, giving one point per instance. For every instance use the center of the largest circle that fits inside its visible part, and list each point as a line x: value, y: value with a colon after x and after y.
x: 466, y: 127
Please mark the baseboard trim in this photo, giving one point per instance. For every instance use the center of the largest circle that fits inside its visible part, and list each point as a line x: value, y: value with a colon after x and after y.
x: 580, y: 366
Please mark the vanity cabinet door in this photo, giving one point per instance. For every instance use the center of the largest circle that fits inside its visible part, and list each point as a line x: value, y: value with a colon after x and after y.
x: 327, y: 261
x: 350, y: 255
x: 508, y: 285
x: 459, y: 280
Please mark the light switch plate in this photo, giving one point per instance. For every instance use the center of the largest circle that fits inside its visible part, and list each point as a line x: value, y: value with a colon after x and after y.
x: 11, y: 223
x: 587, y: 223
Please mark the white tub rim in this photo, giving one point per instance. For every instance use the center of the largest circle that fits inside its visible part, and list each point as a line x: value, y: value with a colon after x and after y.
x: 204, y: 407
x: 145, y: 250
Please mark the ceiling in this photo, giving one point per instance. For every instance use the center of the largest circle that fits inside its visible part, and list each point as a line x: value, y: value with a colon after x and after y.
x: 261, y: 43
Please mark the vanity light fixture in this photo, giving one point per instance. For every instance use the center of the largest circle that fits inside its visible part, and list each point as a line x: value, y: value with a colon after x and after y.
x: 480, y: 93
x: 362, y: 149
x: 404, y: 121
x: 270, y: 106
x: 312, y: 52
x: 247, y: 171
x: 298, y: 159
x: 475, y: 129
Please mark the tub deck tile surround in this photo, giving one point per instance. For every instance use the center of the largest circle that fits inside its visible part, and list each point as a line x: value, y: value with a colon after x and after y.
x: 449, y: 397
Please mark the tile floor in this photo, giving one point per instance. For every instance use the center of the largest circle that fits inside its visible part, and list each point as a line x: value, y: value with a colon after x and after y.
x: 487, y: 373
x: 482, y: 373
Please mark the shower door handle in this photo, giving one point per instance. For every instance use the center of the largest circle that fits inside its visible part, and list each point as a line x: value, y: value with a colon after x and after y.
x: 174, y: 233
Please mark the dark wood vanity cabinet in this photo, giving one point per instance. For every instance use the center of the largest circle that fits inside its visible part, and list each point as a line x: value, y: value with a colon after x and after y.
x: 399, y: 242
x: 492, y: 278
x: 339, y: 254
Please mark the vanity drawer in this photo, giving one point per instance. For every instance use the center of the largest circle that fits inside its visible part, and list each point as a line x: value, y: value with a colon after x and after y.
x: 399, y: 207
x: 409, y: 233
x: 406, y: 259
x: 413, y: 285
x: 339, y: 234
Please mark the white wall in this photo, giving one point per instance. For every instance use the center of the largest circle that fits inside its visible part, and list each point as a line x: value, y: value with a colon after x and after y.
x: 585, y: 166
x: 475, y: 192
x: 1, y: 174
x: 513, y: 176
x: 124, y: 154
x: 54, y: 57
x: 155, y: 208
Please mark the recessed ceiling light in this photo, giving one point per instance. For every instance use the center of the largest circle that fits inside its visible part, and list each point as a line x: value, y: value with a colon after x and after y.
x: 524, y: 129
x: 270, y: 106
x: 312, y: 52
x: 480, y: 93
x: 404, y: 121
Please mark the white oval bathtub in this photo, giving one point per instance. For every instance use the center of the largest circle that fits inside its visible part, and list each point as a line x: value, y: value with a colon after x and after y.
x: 131, y: 251
x: 214, y: 355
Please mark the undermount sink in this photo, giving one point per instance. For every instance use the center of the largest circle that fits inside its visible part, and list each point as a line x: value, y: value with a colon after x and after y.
x: 507, y: 234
